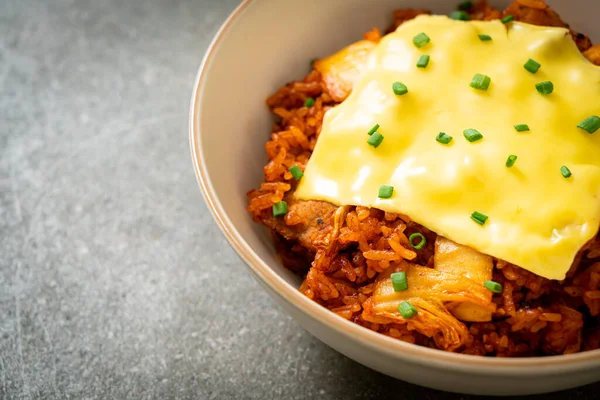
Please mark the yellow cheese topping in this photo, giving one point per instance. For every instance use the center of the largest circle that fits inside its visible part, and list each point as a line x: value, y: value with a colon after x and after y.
x: 538, y: 219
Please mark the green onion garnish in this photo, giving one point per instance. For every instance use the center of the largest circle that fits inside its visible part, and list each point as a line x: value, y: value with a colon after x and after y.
x: 399, y: 88
x: 375, y: 139
x: 422, y: 241
x: 507, y: 19
x: 565, y: 171
x: 385, y: 192
x: 481, y: 82
x: 472, y: 135
x: 493, y: 286
x: 443, y: 138
x: 373, y: 129
x: 591, y: 124
x: 532, y: 66
x: 280, y: 209
x: 510, y: 161
x: 399, y: 281
x: 309, y: 102
x: 296, y: 172
x: 421, y: 39
x: 484, y: 38
x: 521, y: 127
x: 407, y: 310
x: 479, y: 217
x: 460, y: 16
x: 465, y: 5
x: 423, y: 61
x: 546, y: 87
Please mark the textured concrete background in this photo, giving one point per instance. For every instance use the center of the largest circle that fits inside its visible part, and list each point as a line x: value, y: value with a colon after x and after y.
x: 114, y: 281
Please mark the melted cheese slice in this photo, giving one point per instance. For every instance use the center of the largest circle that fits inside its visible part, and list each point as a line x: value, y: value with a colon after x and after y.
x: 538, y: 219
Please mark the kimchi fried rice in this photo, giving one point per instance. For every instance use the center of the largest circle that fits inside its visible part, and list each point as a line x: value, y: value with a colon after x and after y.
x: 342, y: 251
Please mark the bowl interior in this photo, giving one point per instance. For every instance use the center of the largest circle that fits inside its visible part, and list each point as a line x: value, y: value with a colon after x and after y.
x: 269, y: 43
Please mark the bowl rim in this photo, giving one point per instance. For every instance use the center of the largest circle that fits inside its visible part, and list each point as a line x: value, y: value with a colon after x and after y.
x: 526, y: 366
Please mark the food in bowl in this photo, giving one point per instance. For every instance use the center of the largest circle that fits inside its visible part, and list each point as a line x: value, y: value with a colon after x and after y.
x: 440, y: 184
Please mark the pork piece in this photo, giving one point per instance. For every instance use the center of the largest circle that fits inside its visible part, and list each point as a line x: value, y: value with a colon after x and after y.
x: 307, y: 222
x: 341, y: 70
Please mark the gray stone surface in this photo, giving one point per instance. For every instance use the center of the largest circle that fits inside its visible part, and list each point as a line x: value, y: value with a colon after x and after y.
x: 114, y: 281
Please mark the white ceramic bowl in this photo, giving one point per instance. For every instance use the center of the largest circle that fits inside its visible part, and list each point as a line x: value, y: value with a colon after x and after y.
x: 263, y: 45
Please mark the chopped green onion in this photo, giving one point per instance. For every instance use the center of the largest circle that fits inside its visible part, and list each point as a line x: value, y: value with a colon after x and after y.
x: 481, y: 82
x: 296, y: 172
x: 280, y: 209
x: 507, y: 19
x: 443, y: 138
x: 312, y: 62
x: 510, y: 161
x: 423, y: 61
x: 421, y: 39
x: 460, y: 16
x: 399, y: 88
x: 421, y: 243
x: 375, y: 139
x: 309, y: 102
x: 590, y: 125
x: 493, y: 286
x: 521, y: 127
x: 479, y: 217
x: 472, y: 135
x: 485, y: 38
x: 565, y: 171
x: 373, y: 129
x: 385, y: 192
x: 399, y: 281
x: 532, y: 66
x: 546, y: 87
x: 465, y: 5
x: 407, y: 310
